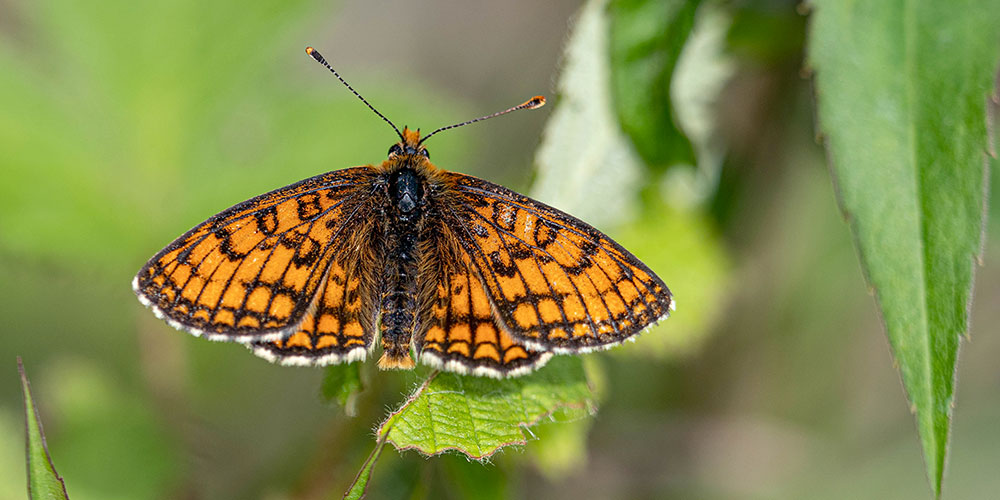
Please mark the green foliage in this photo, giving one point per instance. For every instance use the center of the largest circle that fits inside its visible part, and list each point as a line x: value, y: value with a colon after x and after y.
x: 44, y: 482
x: 561, y: 447
x: 125, y: 124
x: 477, y: 416
x: 902, y: 88
x: 105, y: 435
x: 584, y: 155
x: 148, y: 119
x: 342, y: 383
x: 646, y: 38
x: 699, y: 268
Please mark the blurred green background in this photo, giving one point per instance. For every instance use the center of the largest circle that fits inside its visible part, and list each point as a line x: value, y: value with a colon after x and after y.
x: 123, y: 124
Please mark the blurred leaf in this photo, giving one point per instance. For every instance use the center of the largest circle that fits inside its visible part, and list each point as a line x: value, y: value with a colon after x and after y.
x: 43, y: 480
x: 684, y: 246
x: 767, y: 34
x: 474, y: 480
x: 703, y: 72
x: 584, y: 156
x: 129, y: 92
x: 560, y: 448
x: 902, y: 88
x: 477, y: 416
x: 993, y: 112
x: 158, y: 127
x: 646, y: 38
x: 106, y: 433
x: 342, y: 383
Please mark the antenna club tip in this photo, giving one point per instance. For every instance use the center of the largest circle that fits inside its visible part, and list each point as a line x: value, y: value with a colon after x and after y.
x: 535, y: 102
x: 314, y: 54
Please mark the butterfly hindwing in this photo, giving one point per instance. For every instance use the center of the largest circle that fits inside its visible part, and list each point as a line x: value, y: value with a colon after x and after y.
x: 458, y: 330
x: 556, y: 282
x: 333, y: 332
x: 253, y: 272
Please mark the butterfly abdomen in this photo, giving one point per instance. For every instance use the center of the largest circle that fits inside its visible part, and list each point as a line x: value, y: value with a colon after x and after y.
x: 402, y: 226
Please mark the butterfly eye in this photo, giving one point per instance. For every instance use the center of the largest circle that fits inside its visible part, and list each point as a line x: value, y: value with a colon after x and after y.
x: 395, y: 150
x: 426, y: 153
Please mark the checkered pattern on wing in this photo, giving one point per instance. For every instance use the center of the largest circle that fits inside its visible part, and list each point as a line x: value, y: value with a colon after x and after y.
x: 556, y: 282
x: 252, y: 271
x: 460, y: 331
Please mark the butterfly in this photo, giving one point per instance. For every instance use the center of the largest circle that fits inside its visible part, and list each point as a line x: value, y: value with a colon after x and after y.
x: 464, y: 274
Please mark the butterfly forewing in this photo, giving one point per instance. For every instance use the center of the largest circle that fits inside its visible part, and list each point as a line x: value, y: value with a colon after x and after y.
x: 254, y: 271
x: 557, y: 283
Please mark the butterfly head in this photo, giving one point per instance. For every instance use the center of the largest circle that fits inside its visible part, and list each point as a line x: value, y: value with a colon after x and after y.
x: 408, y: 146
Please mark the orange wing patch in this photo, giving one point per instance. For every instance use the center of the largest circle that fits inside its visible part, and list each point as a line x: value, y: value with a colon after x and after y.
x: 252, y: 271
x: 333, y: 333
x: 557, y: 283
x: 460, y: 332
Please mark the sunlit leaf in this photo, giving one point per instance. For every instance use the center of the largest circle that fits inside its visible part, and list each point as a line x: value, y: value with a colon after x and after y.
x: 44, y: 482
x: 902, y: 89
x: 477, y: 416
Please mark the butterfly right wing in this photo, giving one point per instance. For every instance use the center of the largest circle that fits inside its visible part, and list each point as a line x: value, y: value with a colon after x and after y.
x: 458, y: 331
x: 555, y: 282
x: 254, y: 271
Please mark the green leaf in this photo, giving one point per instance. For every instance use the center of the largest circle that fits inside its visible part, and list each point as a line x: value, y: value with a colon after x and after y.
x: 342, y: 383
x: 902, y: 89
x: 646, y: 38
x: 477, y: 416
x: 43, y: 480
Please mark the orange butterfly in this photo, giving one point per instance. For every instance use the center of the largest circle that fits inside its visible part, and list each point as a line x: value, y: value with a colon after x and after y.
x: 468, y: 275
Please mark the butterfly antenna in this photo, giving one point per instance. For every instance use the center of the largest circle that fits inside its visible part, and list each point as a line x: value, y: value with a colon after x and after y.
x: 535, y: 102
x: 319, y: 58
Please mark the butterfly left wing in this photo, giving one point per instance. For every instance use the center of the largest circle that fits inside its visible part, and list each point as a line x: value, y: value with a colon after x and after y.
x: 255, y: 270
x: 335, y: 331
x: 555, y: 282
